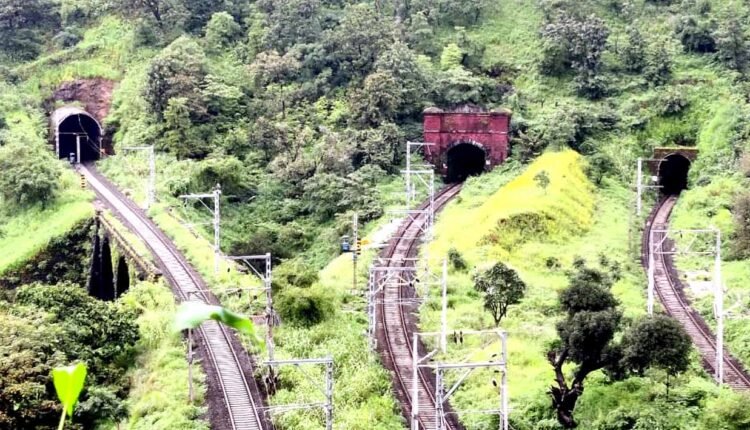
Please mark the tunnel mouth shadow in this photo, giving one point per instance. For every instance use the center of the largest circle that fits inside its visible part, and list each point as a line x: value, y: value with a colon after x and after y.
x: 464, y: 160
x: 673, y: 174
x: 77, y: 131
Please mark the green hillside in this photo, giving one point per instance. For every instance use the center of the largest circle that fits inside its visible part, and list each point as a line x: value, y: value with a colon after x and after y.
x: 300, y: 109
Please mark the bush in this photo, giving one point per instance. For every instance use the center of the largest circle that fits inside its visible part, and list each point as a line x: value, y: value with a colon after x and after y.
x: 456, y: 260
x: 221, y: 30
x: 695, y: 34
x: 658, y: 68
x: 30, y: 174
x: 304, y: 306
x: 741, y: 239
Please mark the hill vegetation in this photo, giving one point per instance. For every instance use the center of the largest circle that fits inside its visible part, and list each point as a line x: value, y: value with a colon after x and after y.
x: 300, y: 108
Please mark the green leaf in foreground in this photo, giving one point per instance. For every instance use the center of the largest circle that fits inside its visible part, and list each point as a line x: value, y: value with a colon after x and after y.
x: 68, y: 384
x: 192, y: 314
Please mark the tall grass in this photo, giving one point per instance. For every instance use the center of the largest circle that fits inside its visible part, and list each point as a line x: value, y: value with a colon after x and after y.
x: 159, y: 392
x: 26, y: 231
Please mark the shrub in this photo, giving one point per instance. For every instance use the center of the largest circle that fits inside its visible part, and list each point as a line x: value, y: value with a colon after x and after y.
x: 695, y: 34
x: 30, y: 174
x: 658, y: 68
x: 456, y: 260
x: 221, y: 30
x: 304, y: 306
x: 741, y: 239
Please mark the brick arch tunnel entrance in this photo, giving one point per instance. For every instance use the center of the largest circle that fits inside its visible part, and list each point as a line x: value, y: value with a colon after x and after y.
x: 78, y: 135
x: 673, y: 174
x: 464, y: 160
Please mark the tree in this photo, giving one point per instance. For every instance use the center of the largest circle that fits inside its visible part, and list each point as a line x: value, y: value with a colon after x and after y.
x: 28, y: 356
x: 584, y: 339
x: 178, y: 71
x: 180, y: 137
x: 123, y: 277
x: 570, y: 42
x: 542, y: 180
x: 696, y: 34
x: 221, y: 31
x: 634, y: 52
x: 378, y: 101
x: 732, y: 44
x: 29, y: 174
x: 599, y: 165
x: 658, y: 69
x: 357, y: 42
x: 165, y: 13
x: 658, y: 341
x: 291, y: 22
x: 22, y: 23
x: 502, y: 287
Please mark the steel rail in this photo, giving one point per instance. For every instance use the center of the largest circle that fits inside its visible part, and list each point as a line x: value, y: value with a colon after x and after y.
x: 238, y: 393
x: 670, y: 291
x: 396, y: 326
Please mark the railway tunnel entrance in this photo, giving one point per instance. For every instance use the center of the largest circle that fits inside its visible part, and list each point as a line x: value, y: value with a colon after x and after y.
x: 673, y: 173
x: 78, y: 135
x: 464, y: 160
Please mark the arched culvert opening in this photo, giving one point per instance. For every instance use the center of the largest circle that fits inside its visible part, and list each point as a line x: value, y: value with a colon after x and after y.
x: 464, y: 160
x: 78, y: 135
x: 673, y: 174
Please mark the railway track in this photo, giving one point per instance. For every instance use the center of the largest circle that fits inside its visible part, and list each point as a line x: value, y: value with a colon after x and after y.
x: 397, y: 322
x: 670, y: 291
x: 227, y: 360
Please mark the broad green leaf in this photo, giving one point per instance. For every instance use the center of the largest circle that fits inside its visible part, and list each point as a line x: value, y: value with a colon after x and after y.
x: 192, y: 314
x: 68, y: 385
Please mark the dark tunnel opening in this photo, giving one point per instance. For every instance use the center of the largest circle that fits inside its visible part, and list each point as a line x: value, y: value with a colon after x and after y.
x: 465, y: 160
x: 673, y: 174
x: 82, y: 131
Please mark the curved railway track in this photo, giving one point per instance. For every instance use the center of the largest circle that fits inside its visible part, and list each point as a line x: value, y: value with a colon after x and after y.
x: 228, y: 364
x: 670, y: 292
x: 397, y: 322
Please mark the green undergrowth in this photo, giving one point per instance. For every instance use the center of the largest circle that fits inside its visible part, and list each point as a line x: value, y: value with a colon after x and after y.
x: 599, y: 234
x: 107, y: 49
x: 24, y: 232
x: 159, y: 396
x: 363, y: 398
x: 706, y: 207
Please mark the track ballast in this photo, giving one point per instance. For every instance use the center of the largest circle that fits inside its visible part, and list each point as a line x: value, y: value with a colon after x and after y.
x: 240, y: 393
x: 670, y: 291
x: 397, y: 322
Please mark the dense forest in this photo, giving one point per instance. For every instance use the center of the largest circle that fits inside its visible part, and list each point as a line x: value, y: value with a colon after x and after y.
x: 300, y: 110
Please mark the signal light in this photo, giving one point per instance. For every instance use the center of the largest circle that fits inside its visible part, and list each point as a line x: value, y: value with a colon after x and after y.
x: 83, y: 182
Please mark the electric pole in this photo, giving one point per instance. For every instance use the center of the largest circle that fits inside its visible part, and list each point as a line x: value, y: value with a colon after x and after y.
x: 151, y: 182
x: 216, y: 196
x: 356, y: 250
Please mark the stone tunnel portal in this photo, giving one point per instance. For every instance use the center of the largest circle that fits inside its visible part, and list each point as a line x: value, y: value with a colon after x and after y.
x: 464, y: 160
x: 78, y: 135
x: 673, y: 174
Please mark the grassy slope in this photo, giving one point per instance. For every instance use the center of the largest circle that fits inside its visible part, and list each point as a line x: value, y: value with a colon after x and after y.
x: 588, y: 226
x: 27, y: 231
x: 159, y: 394
x: 363, y: 399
